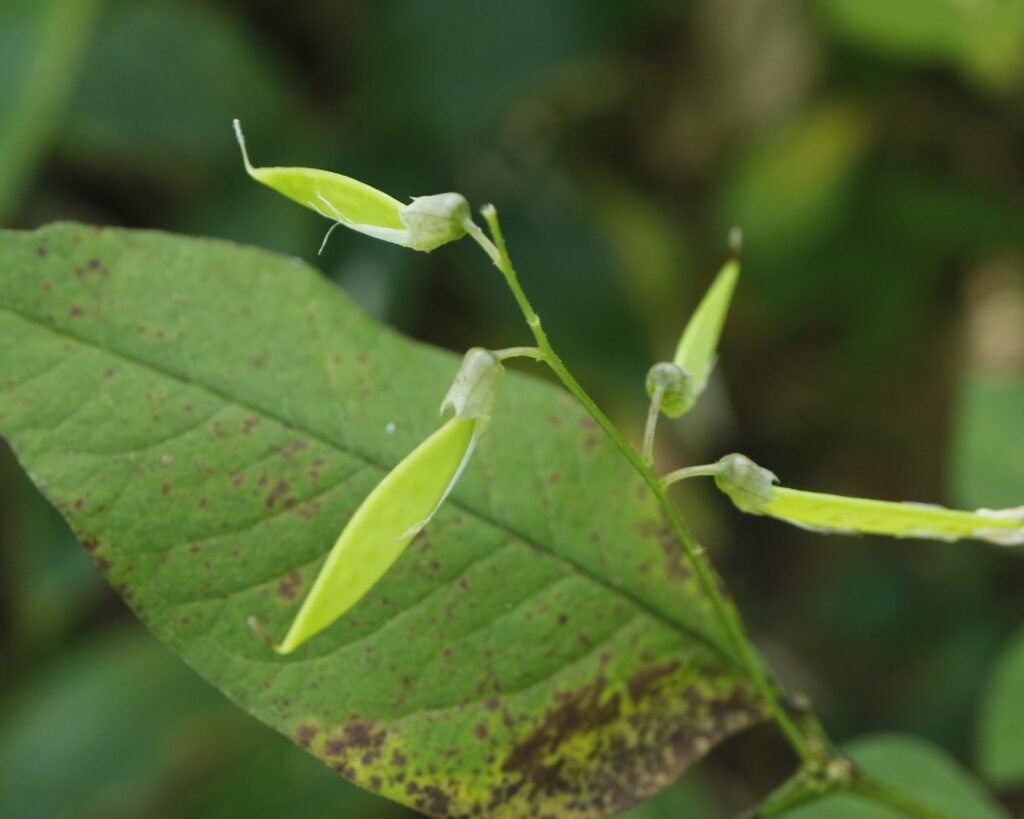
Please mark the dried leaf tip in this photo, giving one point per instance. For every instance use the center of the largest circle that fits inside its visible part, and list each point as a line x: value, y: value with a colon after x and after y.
x: 240, y: 137
x: 735, y: 242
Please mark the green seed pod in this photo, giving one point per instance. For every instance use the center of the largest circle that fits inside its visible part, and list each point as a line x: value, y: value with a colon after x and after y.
x: 695, y: 353
x: 400, y: 505
x: 427, y: 223
x: 749, y: 486
x: 676, y: 386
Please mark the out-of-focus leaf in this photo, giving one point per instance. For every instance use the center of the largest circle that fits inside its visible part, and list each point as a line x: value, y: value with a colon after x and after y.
x: 651, y: 253
x: 108, y: 730
x: 988, y: 449
x: 1000, y: 742
x: 222, y: 411
x: 791, y: 188
x: 915, y: 768
x: 984, y: 38
x: 161, y: 84
x: 41, y: 44
x: 50, y: 584
x: 690, y: 798
x: 274, y: 779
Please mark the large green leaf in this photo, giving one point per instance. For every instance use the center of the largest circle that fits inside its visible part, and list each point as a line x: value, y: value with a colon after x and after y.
x: 208, y: 416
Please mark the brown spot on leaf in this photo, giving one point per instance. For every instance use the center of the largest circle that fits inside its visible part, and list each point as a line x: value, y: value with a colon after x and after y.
x: 305, y: 735
x: 358, y: 735
x: 74, y: 310
x: 644, y: 682
x: 574, y: 713
x: 289, y: 586
x: 276, y: 494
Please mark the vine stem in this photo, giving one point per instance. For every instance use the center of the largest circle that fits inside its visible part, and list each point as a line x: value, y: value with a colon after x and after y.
x: 809, y: 749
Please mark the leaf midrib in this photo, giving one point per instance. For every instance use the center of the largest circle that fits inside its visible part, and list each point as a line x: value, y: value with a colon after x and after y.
x: 319, y: 438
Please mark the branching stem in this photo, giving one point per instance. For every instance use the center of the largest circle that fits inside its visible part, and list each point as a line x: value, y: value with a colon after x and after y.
x: 808, y: 748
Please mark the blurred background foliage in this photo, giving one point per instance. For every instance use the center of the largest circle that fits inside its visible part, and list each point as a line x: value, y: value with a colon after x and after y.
x: 873, y: 152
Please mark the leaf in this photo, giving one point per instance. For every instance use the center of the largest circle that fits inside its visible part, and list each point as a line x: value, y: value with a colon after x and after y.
x: 1000, y: 743
x: 141, y: 108
x: 164, y: 731
x: 133, y: 693
x: 208, y: 416
x: 989, y: 440
x: 41, y: 45
x: 914, y: 768
x: 984, y: 39
x: 793, y: 187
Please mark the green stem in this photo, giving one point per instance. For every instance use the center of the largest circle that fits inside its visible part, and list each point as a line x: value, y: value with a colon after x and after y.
x: 702, y: 471
x: 652, y: 424
x: 808, y: 749
x: 519, y: 352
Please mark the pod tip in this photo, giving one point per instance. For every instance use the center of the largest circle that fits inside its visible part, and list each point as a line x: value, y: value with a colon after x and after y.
x: 257, y: 628
x: 735, y: 241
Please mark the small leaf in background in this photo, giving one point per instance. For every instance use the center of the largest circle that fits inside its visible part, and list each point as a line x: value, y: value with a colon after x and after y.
x: 120, y: 727
x: 107, y: 728
x: 792, y: 188
x: 987, y: 458
x: 985, y: 39
x: 989, y: 425
x: 535, y: 649
x: 1000, y: 740
x: 915, y: 768
x: 41, y: 45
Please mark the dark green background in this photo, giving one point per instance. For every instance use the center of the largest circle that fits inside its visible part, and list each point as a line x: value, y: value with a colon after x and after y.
x: 872, y: 151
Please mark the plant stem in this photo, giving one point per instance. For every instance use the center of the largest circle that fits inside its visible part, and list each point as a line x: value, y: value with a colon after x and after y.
x: 652, y: 424
x: 704, y: 470
x: 519, y: 352
x: 809, y: 749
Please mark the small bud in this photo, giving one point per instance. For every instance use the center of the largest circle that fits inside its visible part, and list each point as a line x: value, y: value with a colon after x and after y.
x: 436, y: 220
x: 676, y: 385
x: 476, y: 383
x: 748, y: 485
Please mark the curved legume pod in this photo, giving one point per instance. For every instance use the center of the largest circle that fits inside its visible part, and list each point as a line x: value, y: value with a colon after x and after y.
x: 751, y: 489
x: 399, y: 506
x: 428, y: 222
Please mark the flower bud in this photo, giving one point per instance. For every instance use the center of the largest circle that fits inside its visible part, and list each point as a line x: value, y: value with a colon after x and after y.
x: 676, y: 386
x: 436, y: 220
x: 748, y: 485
